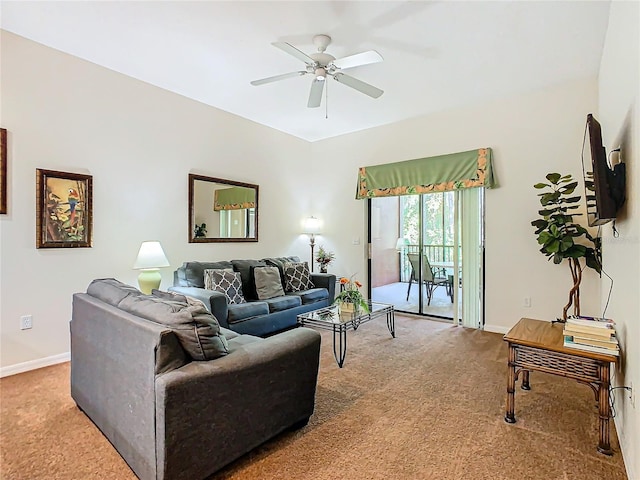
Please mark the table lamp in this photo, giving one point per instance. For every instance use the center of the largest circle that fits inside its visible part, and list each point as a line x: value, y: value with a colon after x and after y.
x: 311, y: 228
x: 402, y: 244
x: 150, y: 258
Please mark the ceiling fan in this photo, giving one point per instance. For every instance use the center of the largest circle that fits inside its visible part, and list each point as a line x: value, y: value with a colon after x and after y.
x: 322, y: 64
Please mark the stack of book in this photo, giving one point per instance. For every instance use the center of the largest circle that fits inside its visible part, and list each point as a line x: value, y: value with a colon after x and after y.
x: 591, y: 334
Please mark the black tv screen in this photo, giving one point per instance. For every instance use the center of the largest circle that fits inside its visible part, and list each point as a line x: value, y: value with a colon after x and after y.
x: 600, y: 181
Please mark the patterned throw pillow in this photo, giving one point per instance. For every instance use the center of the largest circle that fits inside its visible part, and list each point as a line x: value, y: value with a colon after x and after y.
x: 208, y: 276
x: 228, y: 283
x: 297, y: 277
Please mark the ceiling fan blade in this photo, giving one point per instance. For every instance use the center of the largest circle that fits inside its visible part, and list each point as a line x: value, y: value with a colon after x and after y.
x: 275, y: 78
x: 291, y: 50
x: 315, y: 95
x: 364, y: 58
x: 358, y: 85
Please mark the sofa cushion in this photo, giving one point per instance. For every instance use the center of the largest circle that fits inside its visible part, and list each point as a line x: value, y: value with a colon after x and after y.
x: 111, y: 291
x: 312, y: 295
x: 242, y: 340
x: 245, y: 311
x: 297, y: 277
x: 248, y: 282
x: 174, y: 296
x: 192, y: 273
x: 279, y: 262
x: 197, y: 330
x: 285, y: 302
x: 230, y: 284
x: 268, y: 282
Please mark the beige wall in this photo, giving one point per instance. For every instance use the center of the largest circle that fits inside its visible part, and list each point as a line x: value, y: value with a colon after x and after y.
x: 385, y: 226
x: 619, y: 115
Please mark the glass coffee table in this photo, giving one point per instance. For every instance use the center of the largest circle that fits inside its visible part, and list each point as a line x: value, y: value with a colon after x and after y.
x: 330, y: 318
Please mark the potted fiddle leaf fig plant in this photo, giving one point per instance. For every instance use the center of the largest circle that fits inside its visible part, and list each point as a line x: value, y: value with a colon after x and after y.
x: 560, y: 238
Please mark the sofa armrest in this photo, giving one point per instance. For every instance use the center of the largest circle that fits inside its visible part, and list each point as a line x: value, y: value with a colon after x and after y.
x: 225, y: 407
x: 216, y: 302
x: 325, y: 280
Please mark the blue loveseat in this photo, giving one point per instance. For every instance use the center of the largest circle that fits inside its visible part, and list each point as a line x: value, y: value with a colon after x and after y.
x: 255, y: 317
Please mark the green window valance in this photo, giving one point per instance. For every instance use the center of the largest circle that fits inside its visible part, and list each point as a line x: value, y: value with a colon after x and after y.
x: 234, y: 198
x: 442, y: 173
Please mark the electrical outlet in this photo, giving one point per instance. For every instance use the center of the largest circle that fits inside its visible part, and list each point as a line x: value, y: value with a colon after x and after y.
x: 26, y: 322
x: 526, y: 302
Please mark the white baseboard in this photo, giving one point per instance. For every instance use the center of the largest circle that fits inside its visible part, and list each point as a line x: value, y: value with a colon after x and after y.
x: 34, y: 364
x: 496, y: 328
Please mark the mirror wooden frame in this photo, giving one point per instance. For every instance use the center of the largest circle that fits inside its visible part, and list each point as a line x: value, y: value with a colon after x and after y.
x: 192, y: 238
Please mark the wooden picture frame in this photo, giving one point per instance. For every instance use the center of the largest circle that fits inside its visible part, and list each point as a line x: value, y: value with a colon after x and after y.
x: 63, y: 209
x: 3, y: 170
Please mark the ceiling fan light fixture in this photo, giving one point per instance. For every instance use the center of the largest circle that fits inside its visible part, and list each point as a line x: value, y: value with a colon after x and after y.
x: 321, y: 64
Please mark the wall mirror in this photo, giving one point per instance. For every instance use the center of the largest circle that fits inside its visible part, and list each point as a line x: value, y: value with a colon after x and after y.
x: 222, y: 210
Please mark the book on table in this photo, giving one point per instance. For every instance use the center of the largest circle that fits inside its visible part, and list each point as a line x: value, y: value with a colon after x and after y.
x: 611, y: 343
x: 569, y: 342
x: 591, y: 332
x: 594, y: 322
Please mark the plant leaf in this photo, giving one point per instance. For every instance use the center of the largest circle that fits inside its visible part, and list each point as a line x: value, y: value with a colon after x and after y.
x: 553, y: 178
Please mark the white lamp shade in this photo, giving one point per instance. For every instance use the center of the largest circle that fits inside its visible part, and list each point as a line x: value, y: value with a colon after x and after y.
x: 401, y: 244
x: 311, y: 225
x: 150, y: 255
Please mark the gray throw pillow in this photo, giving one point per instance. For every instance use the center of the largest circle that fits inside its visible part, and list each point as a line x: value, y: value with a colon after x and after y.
x: 229, y: 283
x: 197, y: 330
x: 297, y: 277
x: 268, y: 284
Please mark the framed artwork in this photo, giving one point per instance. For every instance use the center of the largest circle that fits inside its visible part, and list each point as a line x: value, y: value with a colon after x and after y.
x: 3, y: 170
x: 63, y: 209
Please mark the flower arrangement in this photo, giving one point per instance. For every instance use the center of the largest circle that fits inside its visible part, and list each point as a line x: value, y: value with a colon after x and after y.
x: 324, y: 258
x: 350, y: 293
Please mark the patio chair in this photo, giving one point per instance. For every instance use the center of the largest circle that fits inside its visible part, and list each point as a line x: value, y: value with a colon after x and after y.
x: 431, y: 279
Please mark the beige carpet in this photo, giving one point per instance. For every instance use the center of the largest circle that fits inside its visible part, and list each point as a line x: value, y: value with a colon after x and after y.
x: 428, y: 404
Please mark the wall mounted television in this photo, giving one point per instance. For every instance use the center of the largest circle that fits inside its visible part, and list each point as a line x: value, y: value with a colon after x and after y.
x: 604, y: 185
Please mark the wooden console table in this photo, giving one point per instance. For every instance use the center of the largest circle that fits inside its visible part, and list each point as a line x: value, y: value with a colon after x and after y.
x: 538, y: 345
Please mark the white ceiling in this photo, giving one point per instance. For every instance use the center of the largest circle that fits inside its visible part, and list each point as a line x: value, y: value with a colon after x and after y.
x: 437, y: 55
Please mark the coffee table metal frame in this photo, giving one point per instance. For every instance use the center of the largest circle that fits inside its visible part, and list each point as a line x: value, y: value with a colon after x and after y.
x: 330, y: 318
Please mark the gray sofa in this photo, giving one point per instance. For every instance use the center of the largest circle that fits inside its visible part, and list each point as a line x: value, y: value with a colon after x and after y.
x: 178, y: 396
x: 255, y: 317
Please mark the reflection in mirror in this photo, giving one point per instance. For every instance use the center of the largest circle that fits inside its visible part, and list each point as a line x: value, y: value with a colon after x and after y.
x: 222, y: 210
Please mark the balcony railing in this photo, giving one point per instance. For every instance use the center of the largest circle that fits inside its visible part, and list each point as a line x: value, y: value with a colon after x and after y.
x: 435, y: 253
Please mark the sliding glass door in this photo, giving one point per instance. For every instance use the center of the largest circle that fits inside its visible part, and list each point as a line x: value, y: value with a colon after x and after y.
x: 426, y: 254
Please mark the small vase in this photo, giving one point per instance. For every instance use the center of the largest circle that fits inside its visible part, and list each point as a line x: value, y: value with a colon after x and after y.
x: 346, y: 307
x: 323, y: 269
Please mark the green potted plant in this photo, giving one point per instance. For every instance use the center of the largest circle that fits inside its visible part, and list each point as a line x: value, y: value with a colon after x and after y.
x: 560, y: 238
x: 200, y: 230
x: 324, y: 258
x: 350, y: 299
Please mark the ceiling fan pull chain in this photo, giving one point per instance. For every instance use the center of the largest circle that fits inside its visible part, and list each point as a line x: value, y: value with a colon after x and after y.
x: 326, y: 100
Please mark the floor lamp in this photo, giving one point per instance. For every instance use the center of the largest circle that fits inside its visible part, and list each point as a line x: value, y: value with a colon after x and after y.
x: 311, y: 228
x: 150, y: 258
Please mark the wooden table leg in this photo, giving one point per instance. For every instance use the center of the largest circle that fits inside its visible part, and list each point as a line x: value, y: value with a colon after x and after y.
x: 511, y: 386
x: 604, y: 409
x: 525, y: 380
